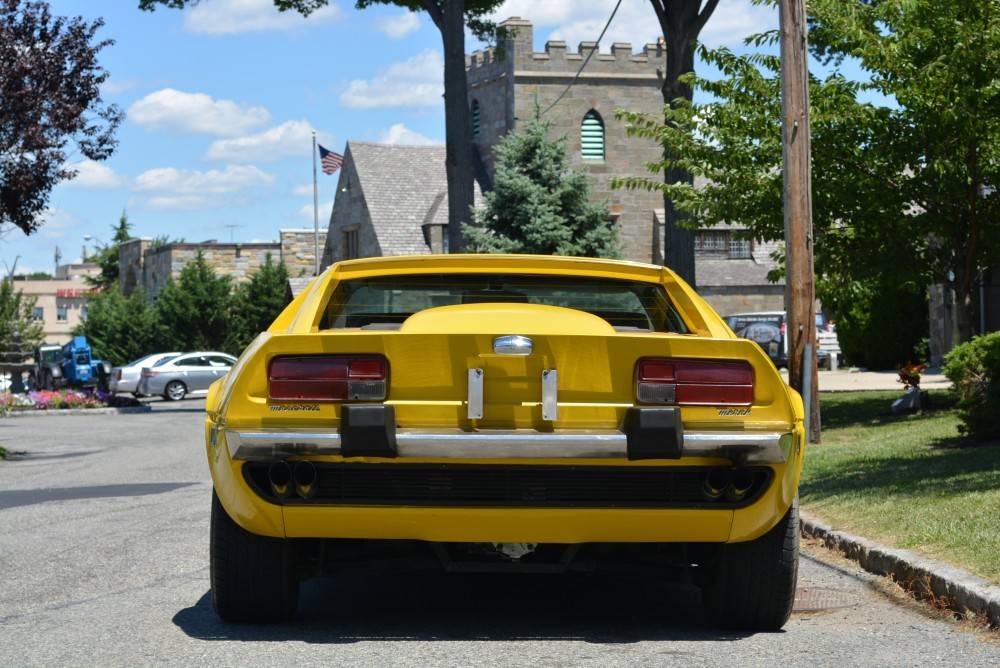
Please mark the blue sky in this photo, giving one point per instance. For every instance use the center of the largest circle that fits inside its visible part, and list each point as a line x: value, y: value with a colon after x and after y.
x: 221, y: 100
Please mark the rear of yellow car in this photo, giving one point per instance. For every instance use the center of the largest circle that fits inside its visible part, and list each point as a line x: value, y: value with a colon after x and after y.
x: 504, y: 413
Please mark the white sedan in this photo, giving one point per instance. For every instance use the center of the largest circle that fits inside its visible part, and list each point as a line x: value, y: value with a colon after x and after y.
x: 126, y: 378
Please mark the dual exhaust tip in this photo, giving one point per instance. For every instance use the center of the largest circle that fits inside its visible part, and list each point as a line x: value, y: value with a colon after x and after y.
x: 286, y: 479
x: 732, y: 484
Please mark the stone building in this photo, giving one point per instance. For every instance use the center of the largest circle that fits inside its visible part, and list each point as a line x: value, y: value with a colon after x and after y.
x: 392, y: 200
x: 141, y: 264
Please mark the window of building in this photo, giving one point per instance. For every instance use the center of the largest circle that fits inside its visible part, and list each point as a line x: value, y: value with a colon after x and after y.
x: 723, y: 243
x: 475, y: 119
x: 38, y: 313
x: 62, y: 314
x: 592, y: 136
x: 350, y: 247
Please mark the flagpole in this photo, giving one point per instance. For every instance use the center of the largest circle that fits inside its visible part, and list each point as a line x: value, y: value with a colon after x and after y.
x: 315, y: 208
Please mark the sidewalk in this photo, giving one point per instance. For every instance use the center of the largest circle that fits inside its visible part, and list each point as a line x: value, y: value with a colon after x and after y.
x: 850, y: 380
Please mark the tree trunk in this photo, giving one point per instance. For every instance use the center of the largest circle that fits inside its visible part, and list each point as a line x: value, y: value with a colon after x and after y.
x: 680, y: 23
x: 459, y: 162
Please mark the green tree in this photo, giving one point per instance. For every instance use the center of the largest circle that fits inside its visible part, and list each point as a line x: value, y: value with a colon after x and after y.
x: 16, y: 316
x: 539, y: 205
x: 451, y: 17
x: 50, y: 99
x: 119, y: 329
x: 193, y: 312
x: 904, y: 190
x: 107, y: 258
x: 256, y: 304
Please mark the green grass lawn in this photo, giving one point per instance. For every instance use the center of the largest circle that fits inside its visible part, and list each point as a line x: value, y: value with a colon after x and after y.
x: 906, y: 481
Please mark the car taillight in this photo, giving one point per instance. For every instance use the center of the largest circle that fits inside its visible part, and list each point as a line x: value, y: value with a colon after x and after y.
x: 328, y: 378
x: 119, y: 374
x: 148, y: 373
x: 665, y: 381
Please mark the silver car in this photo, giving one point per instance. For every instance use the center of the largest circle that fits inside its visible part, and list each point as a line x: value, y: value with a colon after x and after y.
x: 186, y: 374
x: 126, y: 378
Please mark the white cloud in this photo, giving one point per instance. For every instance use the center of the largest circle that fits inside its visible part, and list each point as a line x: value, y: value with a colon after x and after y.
x: 578, y: 21
x: 417, y: 82
x: 94, y: 176
x: 57, y: 222
x: 400, y: 134
x: 325, y: 208
x: 195, y: 182
x: 288, y: 140
x: 195, y: 113
x: 181, y: 203
x: 398, y: 25
x: 231, y: 17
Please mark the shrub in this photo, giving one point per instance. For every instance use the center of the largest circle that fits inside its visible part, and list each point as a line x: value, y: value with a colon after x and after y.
x: 974, y: 368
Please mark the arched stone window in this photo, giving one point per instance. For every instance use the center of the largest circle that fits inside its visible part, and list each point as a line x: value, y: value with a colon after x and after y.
x: 592, y: 136
x: 475, y: 119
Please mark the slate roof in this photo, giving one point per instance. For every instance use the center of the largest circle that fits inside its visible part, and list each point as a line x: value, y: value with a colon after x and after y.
x: 400, y: 185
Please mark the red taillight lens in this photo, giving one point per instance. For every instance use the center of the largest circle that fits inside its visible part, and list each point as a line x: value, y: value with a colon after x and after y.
x: 694, y: 383
x: 328, y: 378
x: 119, y: 374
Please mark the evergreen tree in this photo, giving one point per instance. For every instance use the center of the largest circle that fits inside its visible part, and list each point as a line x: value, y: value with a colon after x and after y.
x: 119, y: 329
x: 538, y: 205
x: 257, y: 303
x: 107, y: 258
x: 193, y: 312
x: 16, y: 315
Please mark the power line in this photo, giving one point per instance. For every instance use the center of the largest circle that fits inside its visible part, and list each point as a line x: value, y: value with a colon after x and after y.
x: 586, y: 60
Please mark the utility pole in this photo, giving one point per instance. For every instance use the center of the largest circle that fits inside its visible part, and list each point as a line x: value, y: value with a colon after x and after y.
x: 800, y: 288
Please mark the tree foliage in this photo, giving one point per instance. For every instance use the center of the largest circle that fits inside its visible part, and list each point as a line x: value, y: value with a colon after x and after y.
x: 194, y: 310
x: 451, y: 17
x: 49, y: 98
x: 538, y: 205
x: 256, y: 304
x: 16, y: 317
x: 903, y: 188
x: 120, y: 329
x: 106, y: 258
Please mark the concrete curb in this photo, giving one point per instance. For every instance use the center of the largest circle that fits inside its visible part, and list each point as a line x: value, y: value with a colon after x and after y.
x: 954, y: 588
x: 145, y: 408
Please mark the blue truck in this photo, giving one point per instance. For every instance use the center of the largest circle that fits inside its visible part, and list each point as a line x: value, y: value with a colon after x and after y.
x: 71, y: 365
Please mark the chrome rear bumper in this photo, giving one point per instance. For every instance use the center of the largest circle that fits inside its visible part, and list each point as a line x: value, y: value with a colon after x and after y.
x: 737, y: 447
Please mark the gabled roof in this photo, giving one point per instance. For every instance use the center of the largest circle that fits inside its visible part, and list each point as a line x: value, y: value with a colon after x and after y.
x: 400, y: 186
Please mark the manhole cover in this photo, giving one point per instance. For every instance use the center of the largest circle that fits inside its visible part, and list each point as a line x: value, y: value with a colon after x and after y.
x: 812, y: 600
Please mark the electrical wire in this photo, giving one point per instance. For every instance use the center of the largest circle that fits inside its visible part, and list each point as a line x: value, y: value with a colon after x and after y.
x: 596, y: 48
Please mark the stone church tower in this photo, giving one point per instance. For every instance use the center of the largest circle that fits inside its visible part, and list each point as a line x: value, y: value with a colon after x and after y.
x: 504, y: 92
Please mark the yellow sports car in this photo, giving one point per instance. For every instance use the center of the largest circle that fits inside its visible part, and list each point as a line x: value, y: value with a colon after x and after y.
x: 504, y: 413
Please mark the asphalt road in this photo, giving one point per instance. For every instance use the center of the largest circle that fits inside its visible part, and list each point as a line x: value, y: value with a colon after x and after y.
x: 104, y: 562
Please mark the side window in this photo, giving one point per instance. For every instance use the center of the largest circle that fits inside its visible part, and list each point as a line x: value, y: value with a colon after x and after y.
x: 38, y: 313
x: 592, y: 136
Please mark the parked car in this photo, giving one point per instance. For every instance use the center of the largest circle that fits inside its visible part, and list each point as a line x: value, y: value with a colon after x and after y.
x: 504, y: 413
x: 188, y: 374
x: 767, y: 329
x: 126, y: 378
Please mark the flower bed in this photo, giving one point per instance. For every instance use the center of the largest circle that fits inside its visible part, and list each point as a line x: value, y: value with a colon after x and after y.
x: 62, y: 399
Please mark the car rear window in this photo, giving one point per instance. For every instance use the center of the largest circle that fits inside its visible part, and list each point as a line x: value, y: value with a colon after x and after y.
x: 385, y: 302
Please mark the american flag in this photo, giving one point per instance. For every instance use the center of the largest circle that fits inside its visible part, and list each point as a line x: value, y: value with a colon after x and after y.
x: 331, y: 160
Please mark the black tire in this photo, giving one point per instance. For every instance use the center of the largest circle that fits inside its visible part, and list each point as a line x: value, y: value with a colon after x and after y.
x: 47, y: 384
x: 175, y: 391
x: 753, y: 587
x: 253, y: 577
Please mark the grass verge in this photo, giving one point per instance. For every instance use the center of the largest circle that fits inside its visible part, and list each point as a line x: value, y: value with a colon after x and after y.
x: 906, y: 481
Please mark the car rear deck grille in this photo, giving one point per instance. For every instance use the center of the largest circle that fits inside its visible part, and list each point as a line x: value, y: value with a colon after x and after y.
x: 508, y: 486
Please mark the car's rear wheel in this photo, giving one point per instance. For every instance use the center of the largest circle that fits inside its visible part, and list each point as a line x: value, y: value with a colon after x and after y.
x: 253, y: 577
x: 753, y: 587
x: 174, y: 391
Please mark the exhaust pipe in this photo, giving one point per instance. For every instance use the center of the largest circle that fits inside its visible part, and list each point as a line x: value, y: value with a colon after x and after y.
x: 741, y: 482
x: 716, y: 482
x: 304, y: 476
x: 280, y: 477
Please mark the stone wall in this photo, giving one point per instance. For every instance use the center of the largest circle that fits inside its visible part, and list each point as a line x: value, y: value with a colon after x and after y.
x: 350, y: 212
x: 298, y: 250
x: 736, y: 299
x: 512, y: 89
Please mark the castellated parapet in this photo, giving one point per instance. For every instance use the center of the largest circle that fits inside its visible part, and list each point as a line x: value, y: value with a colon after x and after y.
x: 524, y: 81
